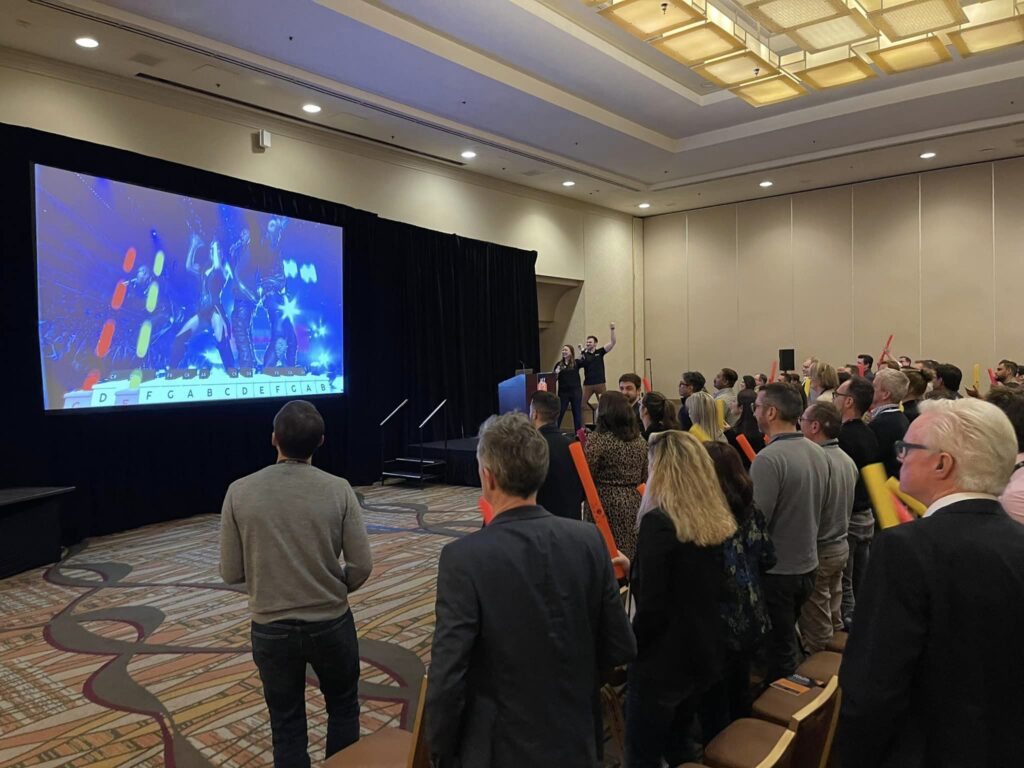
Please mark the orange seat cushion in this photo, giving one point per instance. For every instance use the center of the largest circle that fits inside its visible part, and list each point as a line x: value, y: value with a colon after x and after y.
x: 386, y: 748
x: 745, y: 743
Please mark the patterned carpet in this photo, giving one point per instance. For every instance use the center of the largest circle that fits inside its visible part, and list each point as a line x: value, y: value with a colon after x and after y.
x: 131, y: 652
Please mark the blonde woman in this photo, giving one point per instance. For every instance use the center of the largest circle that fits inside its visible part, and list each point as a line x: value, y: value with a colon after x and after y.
x: 824, y: 383
x: 702, y: 411
x: 677, y: 578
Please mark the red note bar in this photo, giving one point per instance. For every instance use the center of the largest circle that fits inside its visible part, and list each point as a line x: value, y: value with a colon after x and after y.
x: 748, y: 449
x: 129, y: 260
x: 596, y: 508
x: 118, y: 298
x: 103, y: 345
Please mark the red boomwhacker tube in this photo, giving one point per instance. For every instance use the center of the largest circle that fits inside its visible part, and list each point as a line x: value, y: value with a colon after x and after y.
x: 647, y: 385
x: 486, y: 510
x: 775, y: 367
x: 992, y: 377
x: 747, y: 448
x: 596, y: 508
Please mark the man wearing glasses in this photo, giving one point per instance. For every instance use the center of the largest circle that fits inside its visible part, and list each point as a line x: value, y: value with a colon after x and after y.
x: 852, y: 399
x: 931, y: 674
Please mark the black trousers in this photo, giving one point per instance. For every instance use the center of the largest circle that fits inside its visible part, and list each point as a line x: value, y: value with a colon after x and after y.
x: 784, y: 596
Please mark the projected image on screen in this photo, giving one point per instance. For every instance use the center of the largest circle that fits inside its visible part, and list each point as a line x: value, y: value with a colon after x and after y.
x: 152, y: 298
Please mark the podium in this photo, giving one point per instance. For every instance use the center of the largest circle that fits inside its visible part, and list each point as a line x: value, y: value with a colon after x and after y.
x: 514, y: 394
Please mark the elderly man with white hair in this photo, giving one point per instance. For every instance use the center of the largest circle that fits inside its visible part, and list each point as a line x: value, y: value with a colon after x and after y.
x: 932, y: 674
x: 885, y: 418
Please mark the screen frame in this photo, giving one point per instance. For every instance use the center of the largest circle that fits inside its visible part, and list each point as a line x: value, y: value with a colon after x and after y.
x: 183, y: 406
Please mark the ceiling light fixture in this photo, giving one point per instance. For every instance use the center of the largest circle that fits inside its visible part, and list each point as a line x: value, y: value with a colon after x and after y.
x: 771, y: 90
x: 568, y: 183
x: 913, y: 55
x: 644, y: 19
x: 765, y: 184
x: 469, y: 154
x: 927, y: 155
x: 644, y: 205
x: 311, y: 108
x: 87, y: 42
x: 988, y: 37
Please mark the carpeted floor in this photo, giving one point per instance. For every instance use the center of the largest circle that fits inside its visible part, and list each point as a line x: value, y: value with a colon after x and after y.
x: 132, y: 652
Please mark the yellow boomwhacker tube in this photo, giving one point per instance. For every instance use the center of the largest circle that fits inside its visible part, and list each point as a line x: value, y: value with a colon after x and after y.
x: 915, y: 506
x: 875, y: 481
x: 699, y: 433
x: 807, y: 386
x: 720, y: 408
x: 977, y: 376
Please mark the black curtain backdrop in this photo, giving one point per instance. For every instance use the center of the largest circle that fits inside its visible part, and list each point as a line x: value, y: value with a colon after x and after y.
x: 428, y: 316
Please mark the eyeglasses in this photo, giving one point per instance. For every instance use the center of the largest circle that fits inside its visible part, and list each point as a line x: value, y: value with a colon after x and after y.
x: 840, y: 394
x: 902, y: 448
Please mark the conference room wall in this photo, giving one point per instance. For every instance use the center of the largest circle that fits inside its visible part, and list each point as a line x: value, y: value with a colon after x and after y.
x: 574, y: 240
x: 933, y: 258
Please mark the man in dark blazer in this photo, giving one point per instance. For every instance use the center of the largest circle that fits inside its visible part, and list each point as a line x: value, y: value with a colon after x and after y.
x: 528, y: 616
x: 562, y: 492
x: 887, y: 421
x: 931, y: 676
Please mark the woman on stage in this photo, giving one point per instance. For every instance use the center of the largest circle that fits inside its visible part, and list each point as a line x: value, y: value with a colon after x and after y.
x: 570, y: 392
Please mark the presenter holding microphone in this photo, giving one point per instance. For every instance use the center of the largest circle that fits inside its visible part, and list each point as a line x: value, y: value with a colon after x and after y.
x: 591, y: 360
x: 567, y: 373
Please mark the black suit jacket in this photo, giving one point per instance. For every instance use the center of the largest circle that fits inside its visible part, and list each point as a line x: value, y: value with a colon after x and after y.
x: 528, y: 614
x: 562, y: 492
x: 677, y: 588
x: 888, y: 428
x: 859, y: 443
x: 932, y: 675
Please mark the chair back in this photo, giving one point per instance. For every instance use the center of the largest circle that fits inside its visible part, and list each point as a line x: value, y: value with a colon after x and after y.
x: 815, y: 727
x: 418, y: 755
x: 782, y: 754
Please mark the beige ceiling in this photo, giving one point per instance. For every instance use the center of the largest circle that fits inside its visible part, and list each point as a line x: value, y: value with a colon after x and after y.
x: 543, y: 91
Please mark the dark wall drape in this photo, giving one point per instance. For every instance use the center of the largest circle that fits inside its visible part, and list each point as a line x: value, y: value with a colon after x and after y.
x: 428, y: 316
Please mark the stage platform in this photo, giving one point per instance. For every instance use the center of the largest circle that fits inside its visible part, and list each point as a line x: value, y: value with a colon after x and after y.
x: 461, y: 467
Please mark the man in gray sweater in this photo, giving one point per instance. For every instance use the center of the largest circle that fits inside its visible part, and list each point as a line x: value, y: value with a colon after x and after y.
x: 285, y: 531
x: 822, y: 613
x: 790, y: 478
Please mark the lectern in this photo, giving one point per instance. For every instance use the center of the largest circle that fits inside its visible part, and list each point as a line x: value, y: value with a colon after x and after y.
x: 514, y: 394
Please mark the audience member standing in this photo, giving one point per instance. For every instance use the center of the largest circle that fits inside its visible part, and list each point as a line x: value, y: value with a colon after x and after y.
x: 867, y: 361
x: 700, y: 407
x: 630, y: 387
x: 725, y: 391
x: 561, y: 494
x: 885, y: 419
x: 917, y: 385
x: 689, y: 382
x: 528, y: 617
x: 931, y: 675
x: 749, y: 554
x: 824, y: 381
x: 946, y: 384
x: 657, y: 414
x: 676, y: 580
x: 284, y: 533
x: 822, y: 613
x: 790, y: 484
x: 853, y: 398
x: 569, y: 392
x: 1012, y: 404
x: 617, y: 456
x: 746, y: 425
x: 595, y: 381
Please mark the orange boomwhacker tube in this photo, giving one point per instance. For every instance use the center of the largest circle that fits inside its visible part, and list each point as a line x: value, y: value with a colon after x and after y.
x: 486, y: 510
x: 747, y: 448
x: 642, y: 488
x: 861, y: 368
x: 775, y: 367
x: 992, y: 377
x: 647, y: 385
x: 596, y: 508
x: 885, y: 349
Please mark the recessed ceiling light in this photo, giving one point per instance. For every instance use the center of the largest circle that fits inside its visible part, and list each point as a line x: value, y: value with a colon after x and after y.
x: 311, y: 108
x: 766, y: 183
x: 568, y: 183
x: 469, y: 154
x: 927, y: 155
x: 644, y: 205
x: 87, y: 42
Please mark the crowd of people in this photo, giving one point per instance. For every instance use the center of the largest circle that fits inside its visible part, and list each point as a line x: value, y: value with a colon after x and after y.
x: 736, y: 568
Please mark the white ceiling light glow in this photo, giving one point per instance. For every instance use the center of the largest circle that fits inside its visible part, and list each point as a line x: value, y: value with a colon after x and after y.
x: 644, y: 205
x: 568, y: 183
x: 311, y: 109
x: 765, y: 184
x: 87, y: 42
x: 927, y: 155
x: 469, y: 154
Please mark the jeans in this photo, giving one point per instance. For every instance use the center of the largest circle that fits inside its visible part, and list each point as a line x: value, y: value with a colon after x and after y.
x: 821, y: 615
x: 281, y: 651
x: 573, y: 398
x: 784, y: 597
x: 853, y: 574
x: 659, y: 724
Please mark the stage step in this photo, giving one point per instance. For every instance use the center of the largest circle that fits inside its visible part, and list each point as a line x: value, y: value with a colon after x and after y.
x: 425, y: 462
